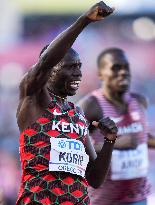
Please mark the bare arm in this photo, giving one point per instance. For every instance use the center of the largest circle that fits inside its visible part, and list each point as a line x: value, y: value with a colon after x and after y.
x: 98, y: 167
x: 144, y: 102
x: 122, y: 143
x: 126, y: 142
x: 39, y: 74
x: 151, y: 141
x: 91, y: 109
x: 99, y: 163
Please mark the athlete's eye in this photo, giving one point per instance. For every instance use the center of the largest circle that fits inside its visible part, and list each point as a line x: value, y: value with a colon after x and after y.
x: 80, y: 65
x: 116, y: 67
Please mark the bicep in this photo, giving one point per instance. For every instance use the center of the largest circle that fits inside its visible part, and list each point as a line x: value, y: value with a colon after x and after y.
x: 91, y: 108
x: 35, y: 79
x: 84, y: 104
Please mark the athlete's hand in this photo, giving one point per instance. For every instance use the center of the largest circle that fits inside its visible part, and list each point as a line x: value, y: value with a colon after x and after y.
x: 98, y: 12
x: 108, y: 128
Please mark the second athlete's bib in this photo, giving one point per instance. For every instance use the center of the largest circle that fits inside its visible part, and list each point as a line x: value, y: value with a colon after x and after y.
x: 130, y: 164
x: 68, y: 155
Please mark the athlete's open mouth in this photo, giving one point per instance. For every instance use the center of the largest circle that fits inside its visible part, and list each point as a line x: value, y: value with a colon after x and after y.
x: 74, y: 84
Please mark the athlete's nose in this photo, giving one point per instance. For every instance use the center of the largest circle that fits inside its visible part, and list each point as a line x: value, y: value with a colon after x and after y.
x: 77, y: 72
x: 123, y: 72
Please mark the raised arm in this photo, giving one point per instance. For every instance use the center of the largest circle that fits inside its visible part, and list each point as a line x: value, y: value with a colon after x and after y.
x: 39, y: 74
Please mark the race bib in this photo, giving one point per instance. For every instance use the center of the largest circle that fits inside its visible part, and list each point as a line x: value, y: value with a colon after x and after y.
x: 68, y: 155
x: 130, y: 164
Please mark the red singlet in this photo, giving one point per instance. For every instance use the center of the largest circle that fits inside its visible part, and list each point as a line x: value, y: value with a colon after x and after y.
x: 39, y: 185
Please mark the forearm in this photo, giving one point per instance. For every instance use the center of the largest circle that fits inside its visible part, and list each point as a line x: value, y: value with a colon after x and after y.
x: 99, y: 167
x: 59, y: 46
x: 125, y: 143
x: 151, y: 141
x: 119, y: 145
x: 122, y: 146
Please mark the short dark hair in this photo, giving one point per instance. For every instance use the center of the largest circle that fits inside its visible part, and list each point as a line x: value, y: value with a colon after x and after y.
x: 44, y: 48
x: 108, y: 51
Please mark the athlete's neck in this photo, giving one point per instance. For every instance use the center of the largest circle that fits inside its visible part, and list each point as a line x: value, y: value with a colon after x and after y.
x: 57, y: 95
x: 116, y: 98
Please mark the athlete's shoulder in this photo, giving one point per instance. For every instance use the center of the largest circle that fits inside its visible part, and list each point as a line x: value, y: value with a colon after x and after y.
x: 90, y: 107
x: 27, y: 74
x: 87, y: 100
x: 79, y: 109
x: 141, y: 99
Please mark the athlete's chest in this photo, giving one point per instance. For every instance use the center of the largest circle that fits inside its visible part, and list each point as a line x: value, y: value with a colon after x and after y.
x: 70, y: 123
x: 58, y: 123
x: 130, y: 122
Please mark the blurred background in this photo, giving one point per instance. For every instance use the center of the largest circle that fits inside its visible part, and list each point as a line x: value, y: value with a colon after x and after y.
x: 28, y: 25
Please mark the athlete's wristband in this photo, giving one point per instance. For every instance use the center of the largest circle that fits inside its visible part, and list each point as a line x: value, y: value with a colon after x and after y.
x: 106, y: 140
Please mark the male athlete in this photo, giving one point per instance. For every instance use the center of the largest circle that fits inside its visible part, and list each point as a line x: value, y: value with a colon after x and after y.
x: 56, y: 153
x: 126, y: 183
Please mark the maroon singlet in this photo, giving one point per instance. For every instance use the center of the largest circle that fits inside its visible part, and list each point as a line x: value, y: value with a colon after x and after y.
x: 134, y: 123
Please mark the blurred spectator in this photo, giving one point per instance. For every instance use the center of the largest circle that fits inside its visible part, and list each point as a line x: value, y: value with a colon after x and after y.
x: 9, y: 177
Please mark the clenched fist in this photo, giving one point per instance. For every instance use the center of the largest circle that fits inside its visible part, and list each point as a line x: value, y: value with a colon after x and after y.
x: 107, y: 127
x: 98, y: 12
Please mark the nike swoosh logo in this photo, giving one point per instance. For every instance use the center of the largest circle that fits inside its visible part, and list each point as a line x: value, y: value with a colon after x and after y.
x: 116, y: 119
x: 57, y: 113
x: 82, y: 118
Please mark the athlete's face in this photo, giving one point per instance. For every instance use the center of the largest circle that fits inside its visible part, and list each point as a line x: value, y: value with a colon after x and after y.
x: 115, y: 72
x: 66, y: 78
